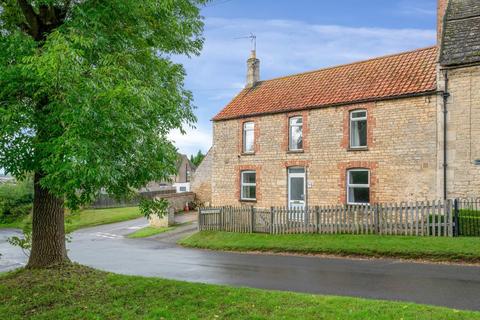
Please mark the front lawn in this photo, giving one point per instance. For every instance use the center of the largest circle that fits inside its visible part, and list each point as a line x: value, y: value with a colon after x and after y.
x: 429, y: 248
x: 95, y: 217
x: 77, y: 292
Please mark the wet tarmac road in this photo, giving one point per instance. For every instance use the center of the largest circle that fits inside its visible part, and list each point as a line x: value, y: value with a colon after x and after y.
x: 106, y: 248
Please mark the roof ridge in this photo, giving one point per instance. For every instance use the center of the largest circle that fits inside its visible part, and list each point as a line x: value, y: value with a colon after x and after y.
x: 349, y: 64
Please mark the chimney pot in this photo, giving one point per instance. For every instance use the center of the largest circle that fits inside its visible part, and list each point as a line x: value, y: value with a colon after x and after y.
x: 253, y: 70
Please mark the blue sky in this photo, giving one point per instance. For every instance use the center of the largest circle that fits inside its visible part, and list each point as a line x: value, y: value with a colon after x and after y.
x: 293, y: 36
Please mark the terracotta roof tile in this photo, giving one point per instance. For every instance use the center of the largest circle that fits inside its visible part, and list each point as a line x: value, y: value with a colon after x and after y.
x: 392, y: 76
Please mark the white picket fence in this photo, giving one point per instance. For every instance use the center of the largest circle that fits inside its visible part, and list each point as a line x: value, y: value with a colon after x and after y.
x: 433, y: 218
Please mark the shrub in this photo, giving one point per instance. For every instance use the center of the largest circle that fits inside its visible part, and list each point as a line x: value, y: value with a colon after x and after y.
x: 15, y: 200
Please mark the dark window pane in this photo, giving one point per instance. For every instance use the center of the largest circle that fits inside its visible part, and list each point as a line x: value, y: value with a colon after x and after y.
x: 249, y: 177
x: 358, y: 177
x: 358, y: 195
x: 359, y: 114
x: 249, y: 192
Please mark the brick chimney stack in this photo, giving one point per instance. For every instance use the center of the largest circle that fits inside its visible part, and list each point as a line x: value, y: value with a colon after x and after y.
x: 253, y: 70
x: 441, y: 8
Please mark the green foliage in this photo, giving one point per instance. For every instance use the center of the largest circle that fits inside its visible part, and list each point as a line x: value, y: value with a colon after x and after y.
x: 25, y: 242
x: 198, y: 158
x: 89, y: 103
x: 151, y: 207
x: 15, y: 200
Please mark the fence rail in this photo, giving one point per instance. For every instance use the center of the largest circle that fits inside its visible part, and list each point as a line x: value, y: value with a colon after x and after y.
x: 435, y: 218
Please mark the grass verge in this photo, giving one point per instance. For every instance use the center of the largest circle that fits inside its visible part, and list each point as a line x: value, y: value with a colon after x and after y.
x: 151, y: 231
x: 425, y: 248
x: 148, y: 232
x: 87, y: 218
x: 96, y: 217
x: 76, y: 292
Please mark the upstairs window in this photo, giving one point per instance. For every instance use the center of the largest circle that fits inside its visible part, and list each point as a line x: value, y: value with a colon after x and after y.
x: 358, y: 186
x: 248, y: 137
x: 295, y: 134
x: 248, y: 185
x: 358, y: 129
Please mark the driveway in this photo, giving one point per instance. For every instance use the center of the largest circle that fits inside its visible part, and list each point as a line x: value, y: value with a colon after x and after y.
x: 106, y: 248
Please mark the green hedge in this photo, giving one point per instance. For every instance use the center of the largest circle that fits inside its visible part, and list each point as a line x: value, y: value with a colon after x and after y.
x: 15, y: 200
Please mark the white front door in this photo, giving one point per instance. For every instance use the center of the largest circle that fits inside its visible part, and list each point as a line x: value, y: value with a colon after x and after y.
x: 296, y: 187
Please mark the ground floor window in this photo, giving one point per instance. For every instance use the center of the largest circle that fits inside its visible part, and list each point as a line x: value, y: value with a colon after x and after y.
x: 248, y: 185
x: 358, y: 186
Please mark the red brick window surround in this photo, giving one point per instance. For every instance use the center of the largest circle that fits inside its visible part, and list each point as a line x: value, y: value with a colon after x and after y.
x: 258, y: 182
x: 305, y: 131
x: 344, y: 169
x: 256, y: 134
x: 347, y: 126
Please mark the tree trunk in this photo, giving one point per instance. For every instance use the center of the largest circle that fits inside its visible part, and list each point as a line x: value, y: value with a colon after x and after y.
x: 48, y: 229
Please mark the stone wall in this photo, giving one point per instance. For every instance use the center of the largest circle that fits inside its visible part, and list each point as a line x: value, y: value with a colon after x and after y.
x: 402, y: 154
x: 201, y: 183
x: 177, y: 201
x: 463, y: 132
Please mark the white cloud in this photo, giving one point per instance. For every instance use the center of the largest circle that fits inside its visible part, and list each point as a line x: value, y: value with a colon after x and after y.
x: 192, y: 141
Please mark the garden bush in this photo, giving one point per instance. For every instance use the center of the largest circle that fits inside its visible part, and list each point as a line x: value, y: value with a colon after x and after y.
x: 15, y: 200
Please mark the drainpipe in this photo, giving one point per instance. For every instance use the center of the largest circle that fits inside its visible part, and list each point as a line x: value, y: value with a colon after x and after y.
x: 445, y: 116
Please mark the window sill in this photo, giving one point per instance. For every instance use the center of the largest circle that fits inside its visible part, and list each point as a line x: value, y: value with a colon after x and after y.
x: 249, y: 201
x: 295, y: 151
x: 358, y: 204
x: 358, y: 149
x: 247, y: 154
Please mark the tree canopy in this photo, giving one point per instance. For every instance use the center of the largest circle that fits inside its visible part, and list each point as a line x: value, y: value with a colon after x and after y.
x: 198, y: 158
x: 88, y: 91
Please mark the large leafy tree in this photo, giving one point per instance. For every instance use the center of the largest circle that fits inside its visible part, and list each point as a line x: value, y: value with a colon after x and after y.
x: 88, y: 94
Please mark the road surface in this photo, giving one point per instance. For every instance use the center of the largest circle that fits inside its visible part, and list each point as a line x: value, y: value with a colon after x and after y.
x: 106, y: 248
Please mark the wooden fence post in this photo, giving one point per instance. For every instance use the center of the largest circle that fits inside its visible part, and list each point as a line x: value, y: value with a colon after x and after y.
x: 317, y: 218
x: 220, y: 219
x: 272, y: 212
x: 199, y: 220
x: 252, y: 219
x: 376, y: 220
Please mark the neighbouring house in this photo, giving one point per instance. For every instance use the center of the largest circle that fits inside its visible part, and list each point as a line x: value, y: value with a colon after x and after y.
x: 185, y: 170
x: 201, y: 183
x: 180, y: 182
x: 403, y: 127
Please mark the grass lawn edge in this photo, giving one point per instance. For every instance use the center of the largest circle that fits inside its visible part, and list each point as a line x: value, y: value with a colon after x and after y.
x: 418, y: 256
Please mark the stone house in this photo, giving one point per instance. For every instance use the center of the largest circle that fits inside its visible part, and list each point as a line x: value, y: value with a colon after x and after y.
x: 201, y: 183
x: 390, y: 129
x: 180, y: 181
